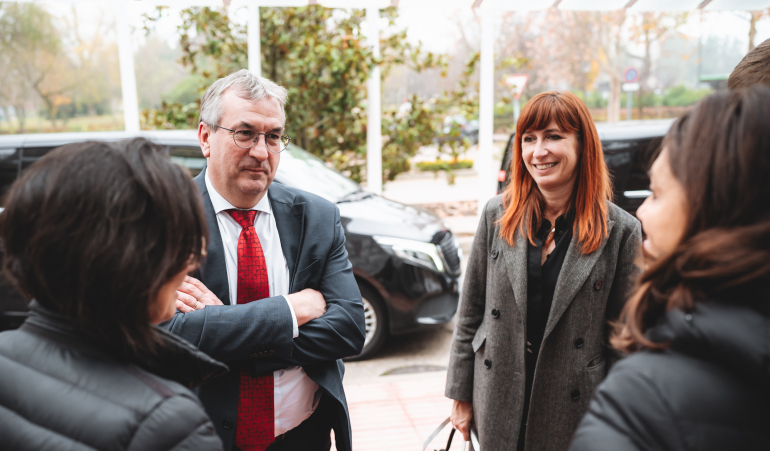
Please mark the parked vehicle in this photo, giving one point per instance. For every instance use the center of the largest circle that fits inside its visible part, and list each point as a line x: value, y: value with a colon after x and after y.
x: 628, y: 148
x: 405, y: 260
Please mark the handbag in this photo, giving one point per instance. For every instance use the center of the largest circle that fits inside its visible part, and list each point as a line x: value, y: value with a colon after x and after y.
x: 473, y: 445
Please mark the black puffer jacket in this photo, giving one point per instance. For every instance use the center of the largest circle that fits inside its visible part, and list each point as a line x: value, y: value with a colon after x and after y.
x: 709, y: 391
x: 59, y: 391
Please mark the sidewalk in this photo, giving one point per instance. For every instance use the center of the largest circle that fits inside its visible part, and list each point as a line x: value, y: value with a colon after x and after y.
x: 397, y: 413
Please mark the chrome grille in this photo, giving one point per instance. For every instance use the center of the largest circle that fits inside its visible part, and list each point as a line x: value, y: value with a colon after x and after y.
x: 450, y: 253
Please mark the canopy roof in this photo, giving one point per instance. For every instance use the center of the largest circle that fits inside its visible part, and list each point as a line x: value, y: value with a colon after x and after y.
x: 499, y: 5
x: 631, y: 5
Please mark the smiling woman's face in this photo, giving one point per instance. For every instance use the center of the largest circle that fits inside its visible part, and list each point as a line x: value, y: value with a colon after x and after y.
x: 551, y: 156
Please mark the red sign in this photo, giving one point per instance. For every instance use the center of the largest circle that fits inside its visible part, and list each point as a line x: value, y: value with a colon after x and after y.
x: 631, y: 75
x: 516, y: 83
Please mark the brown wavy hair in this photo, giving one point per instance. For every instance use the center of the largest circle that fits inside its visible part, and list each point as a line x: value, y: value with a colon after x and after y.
x: 522, y: 198
x: 720, y: 153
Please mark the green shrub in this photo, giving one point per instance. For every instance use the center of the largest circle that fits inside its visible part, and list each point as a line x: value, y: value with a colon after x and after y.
x: 441, y: 165
x: 683, y: 96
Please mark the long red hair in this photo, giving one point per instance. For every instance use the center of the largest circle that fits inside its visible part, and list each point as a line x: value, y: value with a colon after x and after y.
x: 522, y: 199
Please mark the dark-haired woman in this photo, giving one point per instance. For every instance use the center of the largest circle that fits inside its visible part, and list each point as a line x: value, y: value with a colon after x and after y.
x: 552, y: 261
x: 699, y: 323
x: 101, y: 236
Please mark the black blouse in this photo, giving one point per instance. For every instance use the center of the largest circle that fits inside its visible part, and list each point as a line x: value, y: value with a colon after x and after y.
x: 541, y: 284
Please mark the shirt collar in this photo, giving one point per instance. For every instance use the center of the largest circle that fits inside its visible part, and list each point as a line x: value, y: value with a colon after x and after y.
x: 221, y: 204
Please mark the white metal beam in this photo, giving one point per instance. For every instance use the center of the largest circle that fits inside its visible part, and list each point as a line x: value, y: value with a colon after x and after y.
x: 254, y: 45
x: 749, y: 5
x: 374, y: 109
x: 127, y: 73
x: 483, y: 161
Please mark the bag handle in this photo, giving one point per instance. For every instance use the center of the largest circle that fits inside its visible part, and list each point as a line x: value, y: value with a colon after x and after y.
x: 474, y: 437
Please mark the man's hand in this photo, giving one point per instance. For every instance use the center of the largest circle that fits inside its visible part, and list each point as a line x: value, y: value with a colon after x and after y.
x: 193, y: 295
x: 461, y: 416
x: 308, y: 305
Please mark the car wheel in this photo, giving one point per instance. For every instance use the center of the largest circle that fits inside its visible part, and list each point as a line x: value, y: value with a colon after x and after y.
x: 376, y: 321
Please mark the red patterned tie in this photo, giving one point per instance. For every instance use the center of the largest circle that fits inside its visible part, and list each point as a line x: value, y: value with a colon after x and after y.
x: 255, y: 427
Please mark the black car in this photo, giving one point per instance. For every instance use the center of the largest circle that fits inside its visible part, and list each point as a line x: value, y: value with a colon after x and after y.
x: 405, y: 260
x: 628, y: 149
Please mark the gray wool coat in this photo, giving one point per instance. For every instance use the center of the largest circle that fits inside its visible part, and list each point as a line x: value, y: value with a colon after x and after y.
x: 486, y: 364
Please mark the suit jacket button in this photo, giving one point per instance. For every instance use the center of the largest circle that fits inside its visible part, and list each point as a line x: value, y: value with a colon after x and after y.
x: 487, y: 363
x: 495, y: 313
x: 598, y: 285
x: 494, y: 253
x: 575, y: 395
x: 271, y: 352
x: 579, y: 343
x: 227, y: 424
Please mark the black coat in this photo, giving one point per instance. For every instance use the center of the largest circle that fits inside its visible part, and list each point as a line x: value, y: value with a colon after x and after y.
x: 709, y: 391
x: 258, y: 335
x: 60, y: 391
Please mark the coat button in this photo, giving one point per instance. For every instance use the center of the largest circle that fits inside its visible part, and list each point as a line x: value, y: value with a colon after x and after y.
x: 575, y: 395
x: 259, y: 354
x: 488, y: 363
x: 495, y: 313
x: 494, y: 253
x: 579, y: 343
x: 227, y: 424
x: 598, y: 285
x: 271, y: 352
x: 253, y: 355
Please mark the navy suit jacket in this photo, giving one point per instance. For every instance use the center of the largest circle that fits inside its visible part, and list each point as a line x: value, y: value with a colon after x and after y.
x: 258, y: 335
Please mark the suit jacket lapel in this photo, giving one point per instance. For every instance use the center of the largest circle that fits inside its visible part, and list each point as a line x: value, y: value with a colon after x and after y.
x: 214, y: 269
x: 574, y: 272
x: 290, y: 220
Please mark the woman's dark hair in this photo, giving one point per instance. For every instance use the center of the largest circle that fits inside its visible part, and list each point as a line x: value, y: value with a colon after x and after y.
x: 720, y: 153
x: 93, y: 230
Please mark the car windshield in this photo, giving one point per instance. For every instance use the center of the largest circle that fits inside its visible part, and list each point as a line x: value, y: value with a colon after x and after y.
x: 300, y: 169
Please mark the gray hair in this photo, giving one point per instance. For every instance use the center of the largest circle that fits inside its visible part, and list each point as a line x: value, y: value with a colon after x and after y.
x: 247, y: 86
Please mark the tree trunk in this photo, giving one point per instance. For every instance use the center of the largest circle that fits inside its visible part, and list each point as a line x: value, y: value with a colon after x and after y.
x: 20, y: 116
x: 752, y: 29
x: 644, y: 80
x: 613, y: 104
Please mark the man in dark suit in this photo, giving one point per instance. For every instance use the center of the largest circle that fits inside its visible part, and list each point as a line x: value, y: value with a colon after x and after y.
x: 276, y: 298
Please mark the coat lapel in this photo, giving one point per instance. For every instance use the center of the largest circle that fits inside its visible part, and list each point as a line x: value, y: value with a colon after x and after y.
x: 290, y: 220
x: 516, y: 265
x: 214, y: 269
x: 574, y: 272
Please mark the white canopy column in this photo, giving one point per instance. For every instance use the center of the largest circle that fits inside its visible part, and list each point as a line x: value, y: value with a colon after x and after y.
x: 374, y: 110
x: 254, y: 44
x: 127, y: 73
x: 483, y: 161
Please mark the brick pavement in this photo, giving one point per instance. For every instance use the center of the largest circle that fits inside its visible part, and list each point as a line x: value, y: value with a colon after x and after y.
x: 397, y: 413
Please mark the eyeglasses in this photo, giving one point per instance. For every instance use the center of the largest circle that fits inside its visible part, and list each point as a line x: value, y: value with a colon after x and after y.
x: 246, y: 138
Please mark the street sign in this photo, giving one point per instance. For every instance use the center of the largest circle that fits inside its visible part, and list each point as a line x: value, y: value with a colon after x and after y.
x: 631, y: 75
x: 516, y: 84
x: 630, y: 87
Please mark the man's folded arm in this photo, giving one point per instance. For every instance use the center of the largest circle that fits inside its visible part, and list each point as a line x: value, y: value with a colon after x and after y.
x: 340, y: 332
x: 235, y: 332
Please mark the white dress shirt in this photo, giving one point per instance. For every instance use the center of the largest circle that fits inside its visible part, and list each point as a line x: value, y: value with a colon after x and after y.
x: 296, y: 396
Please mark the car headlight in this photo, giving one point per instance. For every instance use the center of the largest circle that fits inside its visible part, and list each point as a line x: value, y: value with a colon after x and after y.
x: 417, y: 252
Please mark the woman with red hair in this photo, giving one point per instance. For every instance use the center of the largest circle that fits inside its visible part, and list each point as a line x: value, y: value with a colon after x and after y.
x: 553, y: 261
